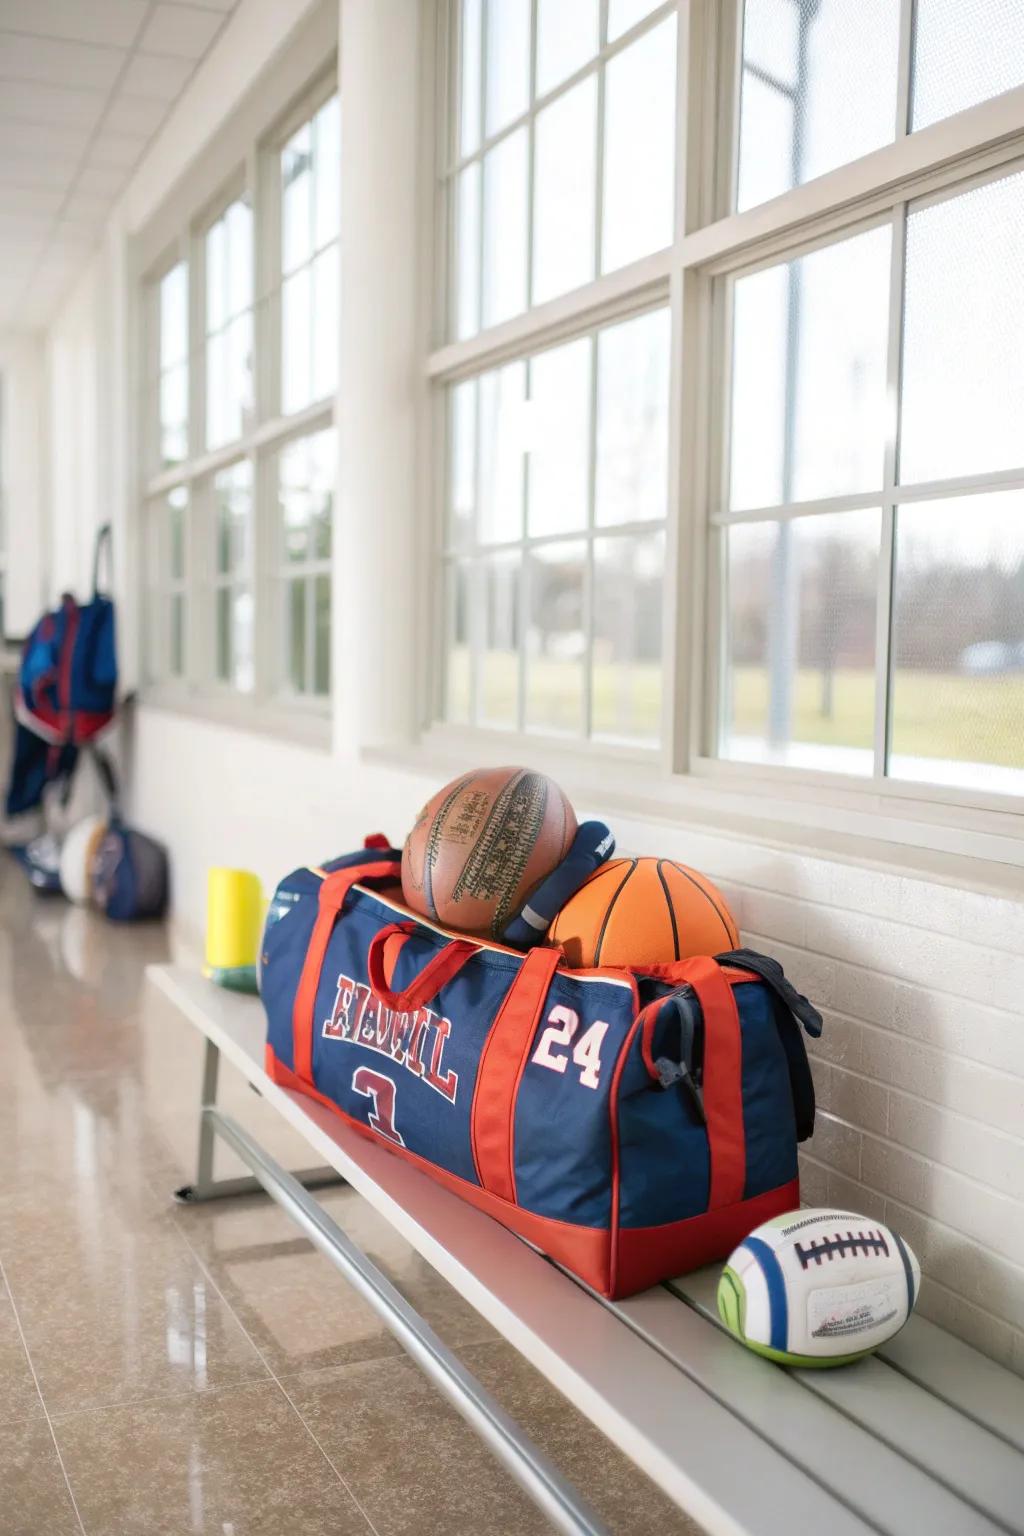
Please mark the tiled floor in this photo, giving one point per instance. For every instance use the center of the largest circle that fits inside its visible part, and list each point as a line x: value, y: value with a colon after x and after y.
x: 179, y: 1371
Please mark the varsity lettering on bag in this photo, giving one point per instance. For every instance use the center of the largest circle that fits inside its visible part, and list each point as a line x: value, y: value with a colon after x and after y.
x: 415, y: 1040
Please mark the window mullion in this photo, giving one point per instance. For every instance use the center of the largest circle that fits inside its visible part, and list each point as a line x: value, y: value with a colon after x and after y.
x: 905, y: 69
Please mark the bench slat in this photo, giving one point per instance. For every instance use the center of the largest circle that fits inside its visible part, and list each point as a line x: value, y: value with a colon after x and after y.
x: 931, y: 1433
x: 680, y: 1436
x: 871, y: 1477
x: 952, y: 1370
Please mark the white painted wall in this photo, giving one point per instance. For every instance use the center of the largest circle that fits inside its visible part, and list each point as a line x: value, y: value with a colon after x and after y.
x: 23, y: 457
x: 920, y: 1070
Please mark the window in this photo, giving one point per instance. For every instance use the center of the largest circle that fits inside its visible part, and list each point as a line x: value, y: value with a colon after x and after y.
x: 239, y: 497
x: 172, y: 378
x: 167, y: 567
x: 745, y: 496
x: 306, y: 472
x: 232, y: 574
x: 310, y: 211
x: 556, y: 537
x: 229, y: 328
x: 563, y: 149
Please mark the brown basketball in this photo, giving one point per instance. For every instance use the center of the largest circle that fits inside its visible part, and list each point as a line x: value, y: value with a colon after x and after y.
x: 482, y: 844
x: 643, y: 912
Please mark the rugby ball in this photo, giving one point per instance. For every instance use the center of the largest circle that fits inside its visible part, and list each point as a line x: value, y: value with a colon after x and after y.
x: 817, y: 1287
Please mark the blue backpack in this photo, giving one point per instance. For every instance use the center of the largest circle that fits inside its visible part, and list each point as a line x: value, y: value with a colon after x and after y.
x: 65, y: 690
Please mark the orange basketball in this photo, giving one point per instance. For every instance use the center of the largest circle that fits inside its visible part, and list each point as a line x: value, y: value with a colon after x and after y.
x: 482, y: 845
x: 643, y: 912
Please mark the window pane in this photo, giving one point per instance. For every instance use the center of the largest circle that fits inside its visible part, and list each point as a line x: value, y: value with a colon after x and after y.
x: 238, y: 219
x: 174, y: 414
x: 503, y: 426
x: 327, y: 173
x: 232, y: 490
x: 297, y: 634
x: 558, y: 424
x: 629, y: 577
x: 463, y: 463
x: 799, y: 680
x: 296, y: 337
x: 963, y: 384
x: 467, y: 258
x: 326, y: 318
x: 297, y: 199
x: 323, y: 474
x: 177, y: 508
x: 964, y: 53
x: 958, y: 643
x: 457, y: 651
x: 809, y: 375
x: 216, y: 276
x: 240, y: 379
x: 235, y: 637
x: 306, y: 474
x: 555, y: 639
x: 499, y: 644
x: 623, y: 14
x: 321, y: 635
x: 469, y: 82
x: 819, y: 89
x: 565, y: 149
x: 174, y: 316
x: 632, y: 420
x: 229, y: 382
x: 176, y: 656
x: 505, y: 217
x: 639, y: 148
x: 567, y: 36
x: 508, y: 61
x: 217, y: 430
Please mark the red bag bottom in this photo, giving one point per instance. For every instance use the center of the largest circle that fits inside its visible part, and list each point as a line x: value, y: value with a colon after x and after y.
x: 639, y: 1257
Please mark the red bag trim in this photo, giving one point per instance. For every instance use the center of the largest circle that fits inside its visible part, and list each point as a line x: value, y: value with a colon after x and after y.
x: 723, y: 1086
x: 502, y: 1063
x: 645, y: 1256
x: 333, y: 891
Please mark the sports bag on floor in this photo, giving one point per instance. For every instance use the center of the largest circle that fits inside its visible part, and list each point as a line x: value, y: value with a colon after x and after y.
x: 632, y: 1126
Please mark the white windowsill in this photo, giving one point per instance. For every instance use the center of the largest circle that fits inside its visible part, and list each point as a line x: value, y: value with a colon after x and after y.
x: 298, y: 724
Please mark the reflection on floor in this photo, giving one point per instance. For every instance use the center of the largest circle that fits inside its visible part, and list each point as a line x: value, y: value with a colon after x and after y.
x: 170, y: 1370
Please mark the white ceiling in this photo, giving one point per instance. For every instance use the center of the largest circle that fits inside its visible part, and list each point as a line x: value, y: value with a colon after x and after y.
x: 84, y: 86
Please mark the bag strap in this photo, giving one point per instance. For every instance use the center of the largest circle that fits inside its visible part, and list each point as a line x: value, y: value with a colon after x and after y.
x: 502, y: 1062
x: 791, y: 1010
x: 333, y: 893
x: 435, y: 974
x: 722, y: 1078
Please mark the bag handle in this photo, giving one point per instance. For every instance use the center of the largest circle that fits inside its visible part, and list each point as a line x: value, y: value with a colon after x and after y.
x: 333, y: 893
x: 723, y: 1067
x: 434, y: 975
x: 104, y: 536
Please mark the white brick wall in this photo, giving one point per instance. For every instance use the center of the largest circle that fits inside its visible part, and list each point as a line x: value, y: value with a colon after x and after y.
x: 920, y: 1068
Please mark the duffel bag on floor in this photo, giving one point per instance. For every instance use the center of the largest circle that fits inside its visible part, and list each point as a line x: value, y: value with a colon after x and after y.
x: 632, y: 1126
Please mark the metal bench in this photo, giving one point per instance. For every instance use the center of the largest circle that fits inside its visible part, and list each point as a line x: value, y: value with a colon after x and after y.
x: 925, y: 1436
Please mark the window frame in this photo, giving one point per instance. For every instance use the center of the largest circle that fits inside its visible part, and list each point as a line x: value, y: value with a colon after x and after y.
x: 714, y: 242
x: 249, y: 166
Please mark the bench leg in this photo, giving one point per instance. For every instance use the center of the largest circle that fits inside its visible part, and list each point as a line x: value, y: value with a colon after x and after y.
x: 566, y: 1509
x: 206, y: 1187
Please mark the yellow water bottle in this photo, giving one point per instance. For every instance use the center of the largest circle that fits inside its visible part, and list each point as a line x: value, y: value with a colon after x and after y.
x: 234, y: 921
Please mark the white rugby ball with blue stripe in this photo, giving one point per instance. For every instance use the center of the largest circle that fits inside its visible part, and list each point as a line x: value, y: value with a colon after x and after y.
x: 818, y: 1287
